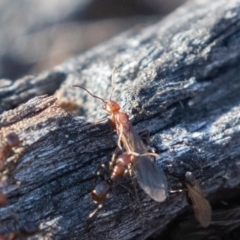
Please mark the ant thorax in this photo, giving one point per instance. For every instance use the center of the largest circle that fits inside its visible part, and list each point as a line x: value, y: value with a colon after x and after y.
x: 121, y: 120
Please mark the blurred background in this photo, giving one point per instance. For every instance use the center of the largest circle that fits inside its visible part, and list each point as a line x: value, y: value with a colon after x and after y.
x: 38, y: 35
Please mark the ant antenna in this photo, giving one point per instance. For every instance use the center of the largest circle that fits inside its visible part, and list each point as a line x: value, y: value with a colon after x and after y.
x: 88, y: 92
x: 113, y: 84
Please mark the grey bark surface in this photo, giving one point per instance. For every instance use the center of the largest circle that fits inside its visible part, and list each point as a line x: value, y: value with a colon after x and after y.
x: 178, y: 78
x: 13, y: 93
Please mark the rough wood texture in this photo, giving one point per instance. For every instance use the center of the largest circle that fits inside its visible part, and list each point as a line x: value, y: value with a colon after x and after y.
x: 179, y: 79
x: 13, y: 93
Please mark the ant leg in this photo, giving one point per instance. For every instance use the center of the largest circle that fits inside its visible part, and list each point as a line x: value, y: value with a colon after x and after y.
x: 114, y: 158
x: 95, y: 211
x: 120, y: 133
x: 184, y: 197
x: 101, y: 170
x: 126, y: 188
x: 176, y: 191
x: 100, y: 120
x: 144, y: 154
x: 136, y: 194
x: 134, y: 186
x: 111, y: 123
x: 130, y: 194
x: 91, y: 124
x: 102, y: 189
x: 145, y: 136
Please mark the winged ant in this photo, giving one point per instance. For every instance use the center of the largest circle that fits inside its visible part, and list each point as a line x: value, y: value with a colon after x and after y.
x: 150, y: 177
x: 194, y: 193
x: 201, y: 206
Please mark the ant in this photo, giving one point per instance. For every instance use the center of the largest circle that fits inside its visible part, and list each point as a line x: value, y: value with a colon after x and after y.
x: 150, y: 177
x: 194, y: 193
x: 201, y: 206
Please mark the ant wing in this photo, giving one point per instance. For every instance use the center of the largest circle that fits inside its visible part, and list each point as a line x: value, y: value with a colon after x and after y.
x: 151, y: 178
x: 201, y: 206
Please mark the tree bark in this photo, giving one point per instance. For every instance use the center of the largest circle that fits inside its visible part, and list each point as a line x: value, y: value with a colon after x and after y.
x: 179, y: 79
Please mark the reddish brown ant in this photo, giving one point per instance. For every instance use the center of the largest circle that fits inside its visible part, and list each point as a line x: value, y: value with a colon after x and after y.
x: 150, y: 177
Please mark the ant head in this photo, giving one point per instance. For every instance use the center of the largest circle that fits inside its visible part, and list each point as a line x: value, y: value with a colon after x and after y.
x: 111, y: 106
x: 189, y: 178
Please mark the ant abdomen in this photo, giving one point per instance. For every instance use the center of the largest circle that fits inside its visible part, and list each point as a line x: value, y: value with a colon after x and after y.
x: 101, y: 191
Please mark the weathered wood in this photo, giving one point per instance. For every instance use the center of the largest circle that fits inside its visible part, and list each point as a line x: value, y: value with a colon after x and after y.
x: 179, y: 79
x: 14, y: 93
